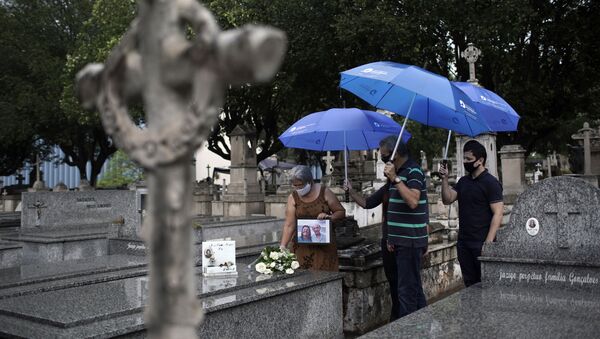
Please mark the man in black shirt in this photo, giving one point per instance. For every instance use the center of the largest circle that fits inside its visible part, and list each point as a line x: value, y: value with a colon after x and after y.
x: 480, y: 209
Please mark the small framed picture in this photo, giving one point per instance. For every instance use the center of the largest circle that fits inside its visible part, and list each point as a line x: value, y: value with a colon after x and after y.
x: 313, y: 231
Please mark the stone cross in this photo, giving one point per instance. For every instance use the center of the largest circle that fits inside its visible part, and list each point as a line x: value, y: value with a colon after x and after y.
x: 181, y: 82
x: 328, y: 163
x: 39, y: 205
x: 562, y: 208
x: 471, y: 53
x: 586, y: 133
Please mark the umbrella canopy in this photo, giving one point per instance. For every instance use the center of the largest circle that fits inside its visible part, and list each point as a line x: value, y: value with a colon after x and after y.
x: 497, y: 113
x: 415, y: 92
x: 340, y: 128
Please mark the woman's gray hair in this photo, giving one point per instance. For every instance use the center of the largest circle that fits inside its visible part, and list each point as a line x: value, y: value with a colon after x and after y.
x: 302, y: 173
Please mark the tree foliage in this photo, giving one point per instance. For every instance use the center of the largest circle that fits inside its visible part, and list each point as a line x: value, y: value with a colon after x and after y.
x: 540, y: 55
x: 121, y: 172
x: 85, y: 140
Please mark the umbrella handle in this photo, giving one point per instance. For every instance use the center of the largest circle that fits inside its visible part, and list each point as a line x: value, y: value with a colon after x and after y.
x: 403, y: 126
x: 447, y: 145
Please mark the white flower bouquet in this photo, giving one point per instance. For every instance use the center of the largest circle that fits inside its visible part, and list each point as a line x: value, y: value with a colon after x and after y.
x: 274, y: 260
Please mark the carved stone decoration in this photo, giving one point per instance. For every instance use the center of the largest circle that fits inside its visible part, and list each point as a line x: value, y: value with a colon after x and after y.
x: 181, y: 83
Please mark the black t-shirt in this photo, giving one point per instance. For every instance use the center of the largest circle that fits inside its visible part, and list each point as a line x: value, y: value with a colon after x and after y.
x: 474, y: 199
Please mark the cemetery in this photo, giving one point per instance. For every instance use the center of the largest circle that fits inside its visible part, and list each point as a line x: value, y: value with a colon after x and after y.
x: 172, y: 253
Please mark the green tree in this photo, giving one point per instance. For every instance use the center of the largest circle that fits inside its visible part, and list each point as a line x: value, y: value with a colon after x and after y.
x: 121, y: 171
x: 35, y: 37
x: 83, y: 139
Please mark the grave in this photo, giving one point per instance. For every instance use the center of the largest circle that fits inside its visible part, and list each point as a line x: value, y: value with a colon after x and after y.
x: 305, y: 304
x: 540, y: 279
x: 57, y: 226
x: 244, y: 196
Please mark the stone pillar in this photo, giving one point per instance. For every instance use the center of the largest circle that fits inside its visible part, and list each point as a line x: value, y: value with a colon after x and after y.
x: 488, y: 140
x: 243, y: 196
x: 513, y: 168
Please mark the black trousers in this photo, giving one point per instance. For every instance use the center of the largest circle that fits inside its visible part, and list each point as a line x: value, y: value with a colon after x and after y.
x: 410, y: 287
x: 391, y: 273
x: 468, y: 251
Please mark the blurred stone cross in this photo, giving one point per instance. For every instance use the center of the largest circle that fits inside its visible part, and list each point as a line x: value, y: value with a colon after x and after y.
x: 181, y: 82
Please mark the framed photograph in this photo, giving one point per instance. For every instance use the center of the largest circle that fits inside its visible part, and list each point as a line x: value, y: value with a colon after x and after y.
x: 218, y: 258
x: 313, y: 231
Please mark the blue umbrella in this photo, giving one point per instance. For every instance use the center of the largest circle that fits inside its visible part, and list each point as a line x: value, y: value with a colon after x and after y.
x: 498, y: 114
x: 340, y: 129
x: 416, y: 93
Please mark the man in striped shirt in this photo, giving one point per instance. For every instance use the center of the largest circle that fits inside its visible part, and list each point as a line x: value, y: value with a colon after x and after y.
x: 404, y: 227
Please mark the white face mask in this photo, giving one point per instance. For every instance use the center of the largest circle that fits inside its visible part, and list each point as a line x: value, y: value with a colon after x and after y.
x: 304, y: 190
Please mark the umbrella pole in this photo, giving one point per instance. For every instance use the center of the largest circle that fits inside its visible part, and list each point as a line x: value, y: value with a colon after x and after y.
x: 346, y: 166
x: 403, y: 126
x: 445, y: 161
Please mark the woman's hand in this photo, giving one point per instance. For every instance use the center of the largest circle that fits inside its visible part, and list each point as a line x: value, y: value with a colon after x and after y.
x: 323, y: 215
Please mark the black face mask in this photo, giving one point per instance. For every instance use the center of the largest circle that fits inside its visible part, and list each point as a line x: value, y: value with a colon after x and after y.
x: 470, y: 166
x: 386, y: 158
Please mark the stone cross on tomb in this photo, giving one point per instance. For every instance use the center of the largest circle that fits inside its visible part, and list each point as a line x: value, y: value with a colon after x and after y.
x: 38, y: 205
x: 328, y: 163
x: 562, y: 208
x: 181, y: 82
x: 471, y: 54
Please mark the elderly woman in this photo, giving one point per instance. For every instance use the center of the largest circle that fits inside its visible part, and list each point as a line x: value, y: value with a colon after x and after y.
x: 310, y: 200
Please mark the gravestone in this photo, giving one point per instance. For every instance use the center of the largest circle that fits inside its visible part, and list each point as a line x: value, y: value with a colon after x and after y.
x: 541, y: 279
x: 244, y: 196
x: 513, y: 169
x: 58, y: 226
x: 552, y: 240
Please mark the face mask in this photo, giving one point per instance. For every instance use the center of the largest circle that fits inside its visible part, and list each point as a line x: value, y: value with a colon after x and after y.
x: 470, y: 166
x: 304, y: 190
x: 386, y: 158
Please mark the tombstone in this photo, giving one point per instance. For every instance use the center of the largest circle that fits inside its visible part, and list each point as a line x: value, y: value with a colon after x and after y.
x: 60, y: 187
x: 59, y: 226
x: 541, y: 279
x: 589, y: 139
x: 243, y: 196
x: 203, y: 197
x: 513, y: 169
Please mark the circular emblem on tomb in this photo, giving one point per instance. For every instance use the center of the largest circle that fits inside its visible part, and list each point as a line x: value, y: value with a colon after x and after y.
x: 532, y: 226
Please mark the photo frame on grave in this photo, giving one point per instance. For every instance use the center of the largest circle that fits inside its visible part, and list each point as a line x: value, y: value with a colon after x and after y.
x: 313, y: 231
x: 218, y: 258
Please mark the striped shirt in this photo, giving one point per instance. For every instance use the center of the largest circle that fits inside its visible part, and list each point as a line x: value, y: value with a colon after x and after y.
x: 408, y: 227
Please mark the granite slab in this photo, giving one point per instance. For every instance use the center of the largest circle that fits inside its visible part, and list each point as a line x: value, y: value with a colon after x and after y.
x: 118, y: 305
x: 41, y: 272
x: 482, y: 311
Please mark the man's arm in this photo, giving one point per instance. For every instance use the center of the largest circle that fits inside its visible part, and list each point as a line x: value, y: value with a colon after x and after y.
x: 371, y: 201
x: 448, y: 194
x: 498, y: 210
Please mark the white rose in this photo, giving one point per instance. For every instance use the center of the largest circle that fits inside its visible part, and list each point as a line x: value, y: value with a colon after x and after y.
x: 295, y: 265
x: 272, y: 264
x: 260, y: 267
x: 289, y: 271
x: 274, y: 255
x: 268, y: 271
